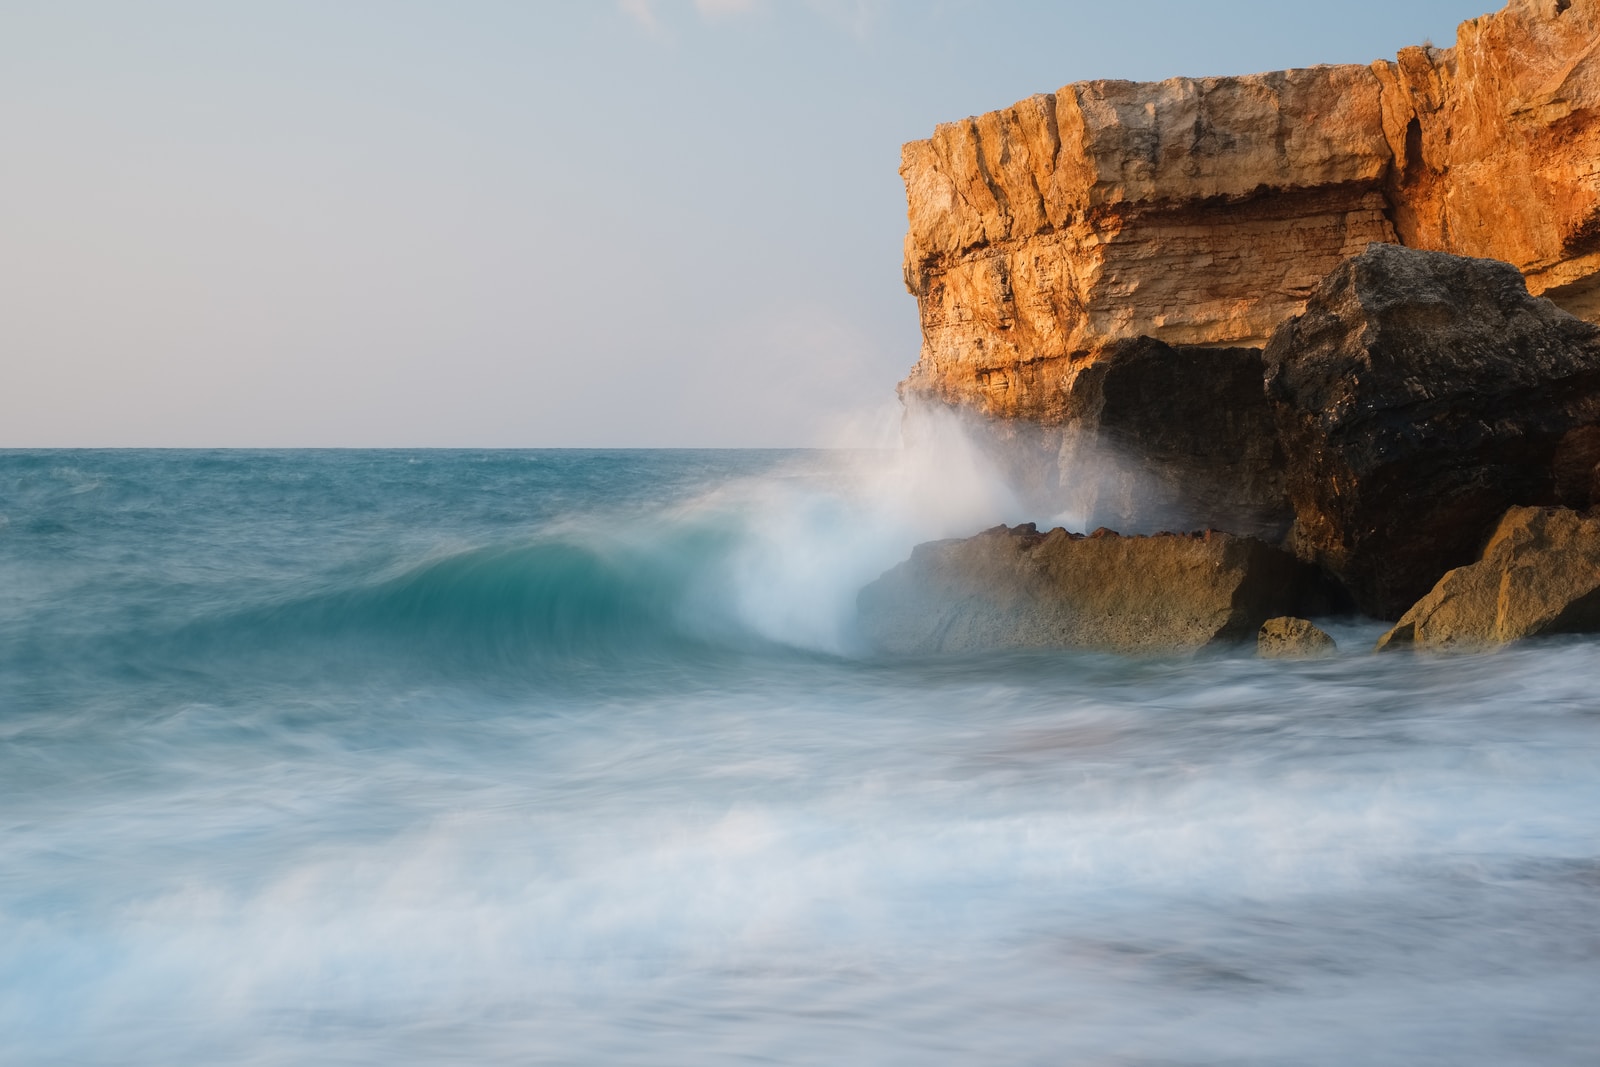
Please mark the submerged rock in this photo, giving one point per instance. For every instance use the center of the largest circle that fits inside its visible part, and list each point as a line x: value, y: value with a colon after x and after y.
x: 1287, y: 637
x: 1018, y: 588
x: 1539, y: 574
x: 1417, y: 398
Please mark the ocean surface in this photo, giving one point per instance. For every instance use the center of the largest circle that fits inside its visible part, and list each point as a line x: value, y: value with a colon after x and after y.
x: 573, y: 757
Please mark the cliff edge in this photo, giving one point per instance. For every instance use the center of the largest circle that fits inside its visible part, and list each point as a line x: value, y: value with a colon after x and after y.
x: 1205, y: 211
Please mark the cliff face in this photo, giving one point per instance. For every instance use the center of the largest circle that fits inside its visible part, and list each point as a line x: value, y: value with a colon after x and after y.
x: 1205, y: 211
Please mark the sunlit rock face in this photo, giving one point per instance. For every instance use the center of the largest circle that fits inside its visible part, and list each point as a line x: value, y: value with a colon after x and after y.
x: 1203, y: 212
x: 1539, y: 574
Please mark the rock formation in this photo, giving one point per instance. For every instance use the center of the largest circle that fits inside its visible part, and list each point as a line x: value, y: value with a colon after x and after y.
x: 1158, y: 439
x: 1418, y: 397
x: 1539, y: 574
x: 1096, y: 270
x: 1204, y: 211
x: 1018, y: 588
x: 1290, y: 638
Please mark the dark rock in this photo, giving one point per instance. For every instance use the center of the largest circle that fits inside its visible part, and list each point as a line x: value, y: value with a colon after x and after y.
x: 1141, y: 435
x: 1289, y: 638
x: 1539, y: 574
x: 1014, y: 589
x: 1417, y: 398
x: 1194, y: 433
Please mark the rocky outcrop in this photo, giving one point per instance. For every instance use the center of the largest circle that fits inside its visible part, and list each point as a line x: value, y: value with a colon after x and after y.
x: 1096, y: 269
x: 1203, y: 211
x: 1417, y: 398
x: 1018, y: 588
x: 1290, y: 638
x: 1539, y: 574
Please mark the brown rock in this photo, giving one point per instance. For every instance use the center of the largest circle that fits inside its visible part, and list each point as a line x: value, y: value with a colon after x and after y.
x: 1203, y: 211
x: 1290, y: 638
x: 1539, y: 574
x: 1019, y: 589
x: 1418, y: 397
x: 1495, y: 142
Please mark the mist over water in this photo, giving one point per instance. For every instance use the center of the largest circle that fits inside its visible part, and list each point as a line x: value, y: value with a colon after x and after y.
x: 576, y: 758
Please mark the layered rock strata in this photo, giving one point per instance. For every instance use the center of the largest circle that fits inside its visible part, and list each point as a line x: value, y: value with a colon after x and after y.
x: 1417, y: 398
x: 1539, y: 574
x: 1203, y: 211
x: 1018, y: 588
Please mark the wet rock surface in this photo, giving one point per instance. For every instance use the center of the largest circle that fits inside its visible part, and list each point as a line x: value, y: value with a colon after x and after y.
x: 1417, y: 398
x: 1287, y: 637
x: 1019, y: 588
x: 1539, y: 574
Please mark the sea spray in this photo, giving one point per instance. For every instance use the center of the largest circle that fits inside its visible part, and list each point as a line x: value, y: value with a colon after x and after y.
x: 809, y: 545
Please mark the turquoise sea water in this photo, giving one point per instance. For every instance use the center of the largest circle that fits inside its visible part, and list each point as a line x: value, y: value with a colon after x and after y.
x: 573, y: 758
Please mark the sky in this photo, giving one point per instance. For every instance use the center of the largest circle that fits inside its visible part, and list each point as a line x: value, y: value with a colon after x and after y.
x: 511, y: 223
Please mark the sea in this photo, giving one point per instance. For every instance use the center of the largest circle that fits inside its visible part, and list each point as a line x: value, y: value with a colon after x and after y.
x: 575, y: 757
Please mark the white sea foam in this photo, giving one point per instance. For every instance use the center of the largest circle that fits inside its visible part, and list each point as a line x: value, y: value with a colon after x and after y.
x: 215, y: 853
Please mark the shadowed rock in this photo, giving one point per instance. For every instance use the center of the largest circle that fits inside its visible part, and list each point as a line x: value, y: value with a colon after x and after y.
x: 1018, y: 588
x: 1417, y: 398
x: 1539, y: 574
x: 1144, y: 436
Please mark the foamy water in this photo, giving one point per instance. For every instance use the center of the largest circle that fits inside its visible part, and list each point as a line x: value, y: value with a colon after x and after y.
x: 574, y: 757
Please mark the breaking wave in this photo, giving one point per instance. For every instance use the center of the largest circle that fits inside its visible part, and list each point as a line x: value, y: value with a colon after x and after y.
x: 767, y: 565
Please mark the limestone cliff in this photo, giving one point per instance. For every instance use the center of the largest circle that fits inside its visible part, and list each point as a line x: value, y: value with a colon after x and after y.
x: 1204, y: 211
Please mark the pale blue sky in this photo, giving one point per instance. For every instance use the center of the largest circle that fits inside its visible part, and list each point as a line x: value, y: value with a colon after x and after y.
x: 499, y: 223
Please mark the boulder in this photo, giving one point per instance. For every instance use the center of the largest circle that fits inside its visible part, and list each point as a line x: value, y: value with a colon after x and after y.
x: 1018, y: 588
x: 1419, y: 396
x: 1539, y: 574
x: 1287, y: 637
